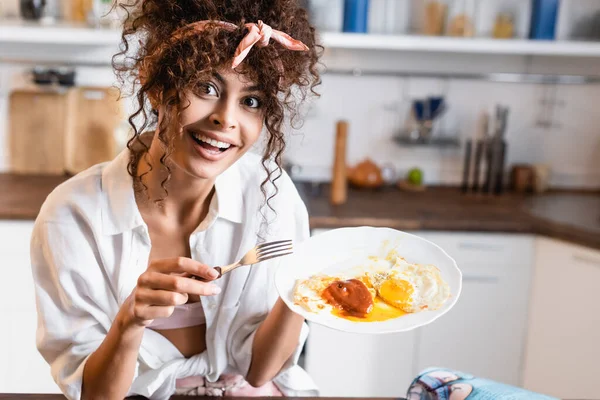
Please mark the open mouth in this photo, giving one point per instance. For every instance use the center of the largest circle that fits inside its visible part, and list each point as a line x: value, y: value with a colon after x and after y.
x: 212, y: 146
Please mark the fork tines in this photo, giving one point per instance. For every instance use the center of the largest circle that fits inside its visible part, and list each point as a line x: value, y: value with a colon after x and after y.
x: 270, y: 250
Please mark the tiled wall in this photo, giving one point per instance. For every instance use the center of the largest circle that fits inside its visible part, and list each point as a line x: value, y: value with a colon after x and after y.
x: 556, y: 125
x: 375, y: 107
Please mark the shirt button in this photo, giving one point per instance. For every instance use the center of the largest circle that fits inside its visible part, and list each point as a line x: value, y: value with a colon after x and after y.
x: 212, y: 306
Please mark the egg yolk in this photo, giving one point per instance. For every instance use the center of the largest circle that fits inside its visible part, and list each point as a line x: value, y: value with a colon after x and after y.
x: 397, y: 292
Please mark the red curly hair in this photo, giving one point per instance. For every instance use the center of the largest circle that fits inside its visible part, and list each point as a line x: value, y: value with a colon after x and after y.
x: 161, y: 66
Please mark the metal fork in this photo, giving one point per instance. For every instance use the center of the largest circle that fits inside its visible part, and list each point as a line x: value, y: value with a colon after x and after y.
x: 261, y: 252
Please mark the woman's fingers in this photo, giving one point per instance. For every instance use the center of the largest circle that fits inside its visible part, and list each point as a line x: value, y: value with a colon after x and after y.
x: 185, y: 265
x: 144, y: 312
x: 154, y: 297
x: 177, y: 283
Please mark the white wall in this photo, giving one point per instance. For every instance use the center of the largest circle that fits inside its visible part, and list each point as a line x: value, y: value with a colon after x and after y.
x: 375, y: 108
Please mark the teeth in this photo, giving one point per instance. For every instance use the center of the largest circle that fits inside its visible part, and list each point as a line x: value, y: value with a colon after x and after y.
x: 212, y: 142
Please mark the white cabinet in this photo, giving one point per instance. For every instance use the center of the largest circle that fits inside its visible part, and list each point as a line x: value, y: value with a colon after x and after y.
x: 484, y: 334
x: 22, y: 368
x: 562, y: 347
x: 352, y: 365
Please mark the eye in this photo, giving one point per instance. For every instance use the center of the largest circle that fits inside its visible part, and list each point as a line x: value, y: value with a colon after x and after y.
x: 207, y: 89
x: 252, y: 102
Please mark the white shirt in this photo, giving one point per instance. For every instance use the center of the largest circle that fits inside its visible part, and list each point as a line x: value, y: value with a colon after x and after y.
x: 90, y: 245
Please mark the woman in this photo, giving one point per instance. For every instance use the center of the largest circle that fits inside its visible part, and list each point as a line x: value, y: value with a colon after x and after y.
x: 114, y: 248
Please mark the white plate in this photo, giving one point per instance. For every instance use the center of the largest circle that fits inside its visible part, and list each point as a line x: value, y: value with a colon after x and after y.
x: 344, y: 248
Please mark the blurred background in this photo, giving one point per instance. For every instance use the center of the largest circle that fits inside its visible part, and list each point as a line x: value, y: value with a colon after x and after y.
x: 473, y: 123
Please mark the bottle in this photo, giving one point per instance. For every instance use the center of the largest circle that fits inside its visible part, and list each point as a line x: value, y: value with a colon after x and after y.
x: 543, y: 19
x: 356, y: 16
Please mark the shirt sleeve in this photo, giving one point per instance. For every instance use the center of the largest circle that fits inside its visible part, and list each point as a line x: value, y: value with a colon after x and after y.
x: 72, y: 321
x: 292, y: 222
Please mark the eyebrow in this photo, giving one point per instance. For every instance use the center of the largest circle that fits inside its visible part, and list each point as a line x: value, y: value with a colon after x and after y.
x: 253, y: 88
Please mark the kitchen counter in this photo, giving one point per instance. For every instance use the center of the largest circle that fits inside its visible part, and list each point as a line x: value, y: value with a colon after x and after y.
x: 569, y: 216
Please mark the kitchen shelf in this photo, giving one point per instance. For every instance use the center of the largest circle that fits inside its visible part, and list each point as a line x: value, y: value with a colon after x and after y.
x: 60, y: 33
x: 66, y: 34
x: 334, y: 40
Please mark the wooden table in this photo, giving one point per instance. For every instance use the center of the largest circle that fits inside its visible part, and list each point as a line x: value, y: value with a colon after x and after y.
x: 61, y: 397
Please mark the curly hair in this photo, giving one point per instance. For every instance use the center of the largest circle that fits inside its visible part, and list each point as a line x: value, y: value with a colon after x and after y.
x: 160, y: 66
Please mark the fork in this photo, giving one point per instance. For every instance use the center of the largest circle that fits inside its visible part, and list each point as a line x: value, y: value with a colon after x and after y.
x: 261, y: 252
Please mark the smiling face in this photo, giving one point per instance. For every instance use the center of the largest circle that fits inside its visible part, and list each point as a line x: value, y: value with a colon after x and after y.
x: 220, y: 121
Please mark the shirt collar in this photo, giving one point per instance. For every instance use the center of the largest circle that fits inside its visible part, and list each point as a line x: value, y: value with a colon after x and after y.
x: 121, y: 212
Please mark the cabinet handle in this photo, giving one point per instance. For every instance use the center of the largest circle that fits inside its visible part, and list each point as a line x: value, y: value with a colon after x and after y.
x: 480, y: 279
x: 479, y: 246
x: 586, y: 259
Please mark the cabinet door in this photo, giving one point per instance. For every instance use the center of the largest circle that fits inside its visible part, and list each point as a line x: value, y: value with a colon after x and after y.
x: 484, y: 334
x: 352, y: 365
x: 23, y: 368
x: 562, y: 346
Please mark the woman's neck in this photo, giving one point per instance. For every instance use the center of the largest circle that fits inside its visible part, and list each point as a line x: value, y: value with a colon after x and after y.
x: 188, y: 197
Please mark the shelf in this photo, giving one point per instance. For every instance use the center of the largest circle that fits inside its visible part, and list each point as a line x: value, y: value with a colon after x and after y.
x: 20, y: 32
x: 459, y: 45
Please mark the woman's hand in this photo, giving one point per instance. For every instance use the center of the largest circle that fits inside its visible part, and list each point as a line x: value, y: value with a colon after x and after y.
x: 166, y: 284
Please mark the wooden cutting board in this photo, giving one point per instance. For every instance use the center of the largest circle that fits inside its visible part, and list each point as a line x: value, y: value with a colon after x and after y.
x: 36, y: 131
x: 94, y: 115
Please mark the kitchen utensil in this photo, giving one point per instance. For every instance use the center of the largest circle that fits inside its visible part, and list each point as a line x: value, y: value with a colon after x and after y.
x: 36, y: 126
x: 339, y: 182
x: 479, y: 151
x: 366, y: 175
x: 496, y: 153
x: 388, y: 173
x: 262, y: 252
x: 95, y: 114
x: 522, y: 178
x: 32, y: 9
x: 342, y: 249
x: 541, y: 177
x: 467, y: 166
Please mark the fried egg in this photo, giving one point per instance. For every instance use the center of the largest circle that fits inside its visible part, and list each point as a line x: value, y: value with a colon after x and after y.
x: 410, y: 287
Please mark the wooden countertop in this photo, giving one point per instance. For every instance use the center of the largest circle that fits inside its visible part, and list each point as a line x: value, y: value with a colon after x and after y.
x: 570, y: 216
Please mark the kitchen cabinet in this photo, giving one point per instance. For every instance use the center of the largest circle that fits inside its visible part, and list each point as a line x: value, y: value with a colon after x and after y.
x: 22, y: 368
x: 352, y: 365
x: 484, y: 334
x: 562, y: 345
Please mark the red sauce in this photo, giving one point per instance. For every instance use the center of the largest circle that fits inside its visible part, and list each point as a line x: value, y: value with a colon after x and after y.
x: 351, y: 296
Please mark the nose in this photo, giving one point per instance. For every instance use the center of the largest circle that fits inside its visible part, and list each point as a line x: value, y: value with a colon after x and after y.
x: 224, y: 116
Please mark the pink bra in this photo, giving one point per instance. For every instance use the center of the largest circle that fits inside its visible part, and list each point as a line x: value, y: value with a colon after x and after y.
x: 184, y: 316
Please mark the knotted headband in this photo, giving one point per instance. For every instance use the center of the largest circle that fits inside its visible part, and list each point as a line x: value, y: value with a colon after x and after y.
x: 258, y: 34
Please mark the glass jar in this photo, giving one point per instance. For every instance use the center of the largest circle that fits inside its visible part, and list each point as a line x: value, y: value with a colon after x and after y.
x: 434, y: 17
x: 461, y: 18
x: 80, y: 10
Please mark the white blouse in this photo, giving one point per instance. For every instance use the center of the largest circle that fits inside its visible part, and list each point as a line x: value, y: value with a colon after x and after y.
x: 90, y: 245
